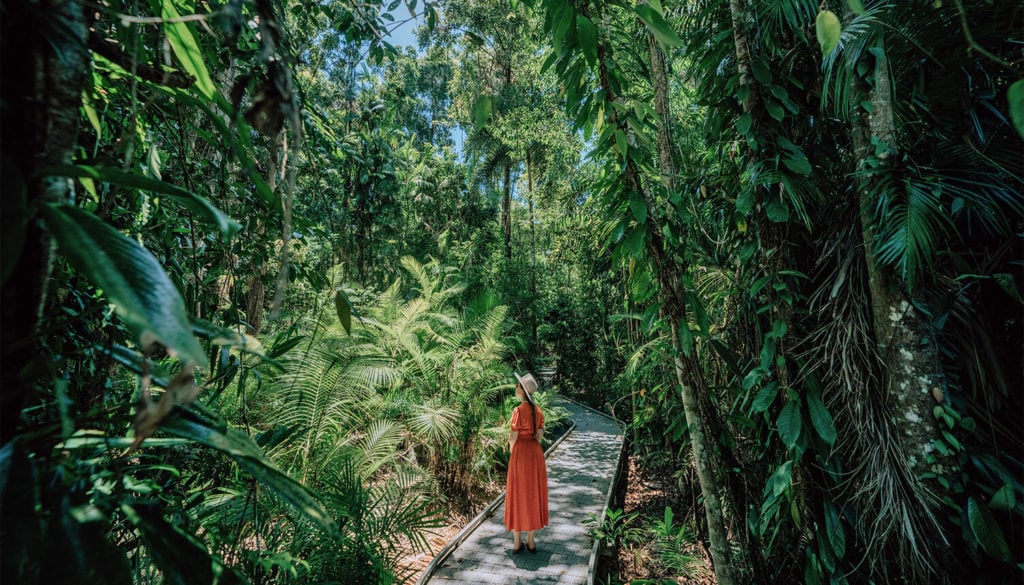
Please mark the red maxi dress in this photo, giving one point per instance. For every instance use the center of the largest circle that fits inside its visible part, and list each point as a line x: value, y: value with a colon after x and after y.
x: 526, y: 493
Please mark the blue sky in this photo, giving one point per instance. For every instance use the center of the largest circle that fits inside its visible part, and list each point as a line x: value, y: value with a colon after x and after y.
x: 404, y: 34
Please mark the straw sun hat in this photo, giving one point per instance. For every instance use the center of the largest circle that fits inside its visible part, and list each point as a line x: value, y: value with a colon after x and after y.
x: 529, y: 384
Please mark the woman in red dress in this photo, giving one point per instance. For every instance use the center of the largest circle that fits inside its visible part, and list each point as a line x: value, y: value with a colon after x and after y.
x: 526, y: 496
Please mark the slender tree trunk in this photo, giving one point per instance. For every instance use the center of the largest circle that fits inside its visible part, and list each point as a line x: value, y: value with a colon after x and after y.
x: 533, y: 247
x: 506, y: 212
x: 689, y: 377
x: 42, y: 93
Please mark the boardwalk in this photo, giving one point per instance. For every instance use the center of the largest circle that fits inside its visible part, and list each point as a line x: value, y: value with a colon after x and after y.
x: 580, y: 472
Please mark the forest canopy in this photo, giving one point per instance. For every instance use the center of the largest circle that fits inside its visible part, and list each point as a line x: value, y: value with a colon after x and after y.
x: 267, y: 269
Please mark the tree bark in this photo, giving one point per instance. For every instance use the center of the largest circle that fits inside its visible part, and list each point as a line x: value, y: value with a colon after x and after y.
x: 913, y: 382
x: 506, y: 211
x: 44, y: 73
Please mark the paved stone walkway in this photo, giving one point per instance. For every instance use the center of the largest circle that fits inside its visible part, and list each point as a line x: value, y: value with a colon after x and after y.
x: 580, y: 472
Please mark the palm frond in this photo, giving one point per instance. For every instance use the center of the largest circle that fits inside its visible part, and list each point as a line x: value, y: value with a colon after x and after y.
x: 378, y: 446
x: 433, y: 424
x: 911, y: 225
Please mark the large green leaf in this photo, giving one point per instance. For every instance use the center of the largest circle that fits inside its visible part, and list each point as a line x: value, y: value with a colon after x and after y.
x: 987, y: 531
x: 1015, y: 99
x: 187, y: 199
x: 765, y: 397
x: 638, y: 207
x: 344, y: 308
x: 828, y: 28
x: 658, y: 26
x: 186, y: 49
x: 1005, y: 499
x: 834, y: 529
x: 587, y: 37
x: 190, y: 424
x: 130, y: 276
x: 182, y: 558
x: 790, y: 424
x: 821, y: 419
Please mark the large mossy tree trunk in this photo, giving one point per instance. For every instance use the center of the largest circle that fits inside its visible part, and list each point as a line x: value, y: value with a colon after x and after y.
x: 45, y: 61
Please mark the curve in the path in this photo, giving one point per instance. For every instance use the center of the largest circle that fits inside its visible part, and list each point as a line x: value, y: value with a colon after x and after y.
x: 581, y: 472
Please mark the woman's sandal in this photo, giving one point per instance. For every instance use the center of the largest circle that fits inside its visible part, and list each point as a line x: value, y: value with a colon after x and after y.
x: 532, y: 550
x: 516, y: 551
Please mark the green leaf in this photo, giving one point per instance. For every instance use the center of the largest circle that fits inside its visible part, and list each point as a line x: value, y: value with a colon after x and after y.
x: 781, y: 479
x: 190, y: 424
x: 639, y: 208
x: 789, y: 423
x: 828, y: 29
x: 987, y: 531
x: 186, y: 49
x: 182, y: 558
x: 745, y: 201
x: 90, y: 113
x: 1015, y: 99
x: 834, y: 529
x: 1005, y: 499
x: 856, y: 7
x: 821, y: 418
x: 777, y: 210
x: 587, y: 37
x: 658, y: 26
x: 187, y: 199
x: 620, y: 142
x: 482, y: 110
x: 685, y: 339
x: 765, y: 398
x: 743, y: 123
x: 344, y: 308
x: 762, y: 73
x: 774, y: 110
x: 14, y: 210
x: 779, y: 329
x: 633, y: 244
x: 798, y: 164
x: 700, y: 316
x: 130, y: 276
x: 753, y: 378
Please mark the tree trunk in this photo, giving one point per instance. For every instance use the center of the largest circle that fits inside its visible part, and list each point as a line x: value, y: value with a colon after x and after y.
x: 42, y: 93
x: 533, y: 248
x: 688, y: 374
x: 913, y: 382
x: 506, y: 211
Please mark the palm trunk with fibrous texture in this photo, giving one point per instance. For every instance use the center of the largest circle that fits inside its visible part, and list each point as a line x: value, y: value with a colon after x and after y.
x: 893, y: 519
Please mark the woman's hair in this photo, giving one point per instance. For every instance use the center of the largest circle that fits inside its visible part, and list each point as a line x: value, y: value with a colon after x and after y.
x: 533, y: 406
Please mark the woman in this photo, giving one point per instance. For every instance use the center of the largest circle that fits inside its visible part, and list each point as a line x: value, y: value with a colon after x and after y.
x: 526, y: 497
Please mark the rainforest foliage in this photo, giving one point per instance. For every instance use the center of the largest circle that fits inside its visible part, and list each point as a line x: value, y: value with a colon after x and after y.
x: 266, y: 274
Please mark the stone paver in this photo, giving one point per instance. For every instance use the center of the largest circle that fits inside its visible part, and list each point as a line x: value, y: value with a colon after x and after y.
x: 580, y: 472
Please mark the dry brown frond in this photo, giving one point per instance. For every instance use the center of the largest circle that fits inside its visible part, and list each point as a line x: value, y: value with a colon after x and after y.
x: 898, y: 533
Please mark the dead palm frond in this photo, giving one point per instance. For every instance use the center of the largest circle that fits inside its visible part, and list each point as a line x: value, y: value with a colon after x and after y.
x: 894, y: 517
